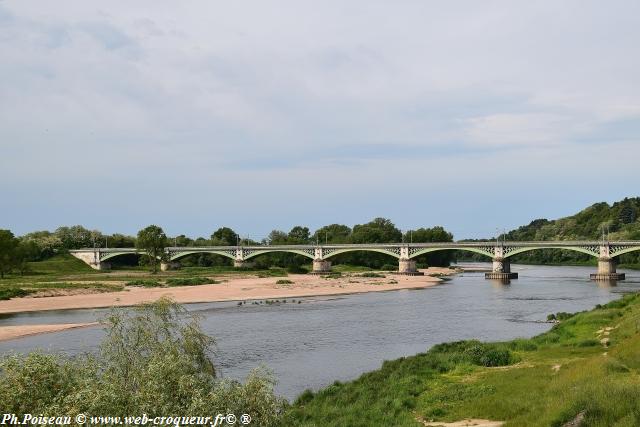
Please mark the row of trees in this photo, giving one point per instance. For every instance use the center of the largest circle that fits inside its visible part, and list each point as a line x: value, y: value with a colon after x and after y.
x: 16, y: 252
x: 380, y: 230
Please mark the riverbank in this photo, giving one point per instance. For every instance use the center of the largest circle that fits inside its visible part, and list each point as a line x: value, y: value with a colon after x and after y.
x: 584, y: 371
x: 229, y: 288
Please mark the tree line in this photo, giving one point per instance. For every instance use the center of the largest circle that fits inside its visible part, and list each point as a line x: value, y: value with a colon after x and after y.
x: 17, y: 252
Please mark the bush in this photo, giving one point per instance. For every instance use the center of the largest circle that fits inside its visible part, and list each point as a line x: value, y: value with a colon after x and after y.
x: 190, y: 281
x: 489, y: 355
x: 372, y: 274
x: 150, y: 283
x: 8, y: 293
x: 284, y: 282
x: 389, y: 267
x: 153, y: 359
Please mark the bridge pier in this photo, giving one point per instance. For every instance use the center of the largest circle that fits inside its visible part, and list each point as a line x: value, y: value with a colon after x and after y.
x: 321, y: 266
x: 241, y: 263
x: 501, y: 270
x: 171, y: 265
x: 407, y: 267
x: 607, y: 270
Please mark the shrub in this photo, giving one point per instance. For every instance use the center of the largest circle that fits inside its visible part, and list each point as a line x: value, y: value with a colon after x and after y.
x: 8, y: 293
x: 284, y: 282
x: 190, y: 281
x: 372, y: 274
x: 149, y: 283
x: 145, y: 349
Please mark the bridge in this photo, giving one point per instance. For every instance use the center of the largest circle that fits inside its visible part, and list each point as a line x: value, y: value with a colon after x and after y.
x: 499, y: 252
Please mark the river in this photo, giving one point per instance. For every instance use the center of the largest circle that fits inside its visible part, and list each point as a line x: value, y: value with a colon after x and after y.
x: 323, y: 339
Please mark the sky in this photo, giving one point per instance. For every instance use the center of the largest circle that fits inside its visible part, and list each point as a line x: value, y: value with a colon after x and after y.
x: 262, y: 115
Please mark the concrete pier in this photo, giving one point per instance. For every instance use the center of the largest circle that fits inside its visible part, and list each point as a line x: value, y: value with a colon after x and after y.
x: 407, y: 267
x: 501, y: 270
x: 607, y: 270
x: 170, y: 265
x: 321, y: 266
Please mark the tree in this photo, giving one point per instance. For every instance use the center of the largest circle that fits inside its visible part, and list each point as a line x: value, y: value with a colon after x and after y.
x: 333, y: 233
x: 299, y: 235
x: 380, y: 230
x: 427, y: 235
x: 26, y: 250
x: 277, y: 237
x: 224, y: 236
x: 8, y: 245
x: 152, y: 240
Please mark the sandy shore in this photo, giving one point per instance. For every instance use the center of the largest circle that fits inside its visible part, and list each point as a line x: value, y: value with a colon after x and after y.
x: 233, y: 288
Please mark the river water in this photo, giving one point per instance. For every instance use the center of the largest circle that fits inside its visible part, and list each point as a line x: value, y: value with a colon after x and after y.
x: 323, y: 339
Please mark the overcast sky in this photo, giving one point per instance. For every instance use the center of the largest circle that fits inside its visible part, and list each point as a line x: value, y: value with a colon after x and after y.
x: 267, y: 114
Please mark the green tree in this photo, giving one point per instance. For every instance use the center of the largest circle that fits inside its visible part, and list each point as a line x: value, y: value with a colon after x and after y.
x: 380, y: 230
x: 333, y: 233
x: 26, y: 250
x: 427, y: 235
x: 152, y: 240
x: 224, y: 236
x: 299, y: 235
x: 8, y: 245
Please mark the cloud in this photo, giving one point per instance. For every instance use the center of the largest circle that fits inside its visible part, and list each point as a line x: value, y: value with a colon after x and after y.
x: 234, y: 107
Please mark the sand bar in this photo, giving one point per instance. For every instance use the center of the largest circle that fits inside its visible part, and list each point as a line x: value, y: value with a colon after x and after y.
x: 232, y: 289
x: 18, y: 331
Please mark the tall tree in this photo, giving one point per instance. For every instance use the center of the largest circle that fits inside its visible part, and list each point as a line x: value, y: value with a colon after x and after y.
x: 224, y: 236
x: 333, y: 233
x: 8, y: 245
x: 299, y: 235
x: 153, y: 241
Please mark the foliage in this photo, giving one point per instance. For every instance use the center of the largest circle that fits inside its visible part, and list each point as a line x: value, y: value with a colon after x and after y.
x: 12, y: 292
x: 8, y: 245
x: 154, y: 360
x: 190, y: 281
x: 145, y: 283
x: 153, y: 241
x: 284, y: 282
x: 224, y: 236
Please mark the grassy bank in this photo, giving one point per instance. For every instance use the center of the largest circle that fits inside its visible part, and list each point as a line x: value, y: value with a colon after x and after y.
x: 585, y: 369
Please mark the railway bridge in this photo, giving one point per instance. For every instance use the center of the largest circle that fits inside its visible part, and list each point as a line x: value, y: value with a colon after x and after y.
x: 499, y: 252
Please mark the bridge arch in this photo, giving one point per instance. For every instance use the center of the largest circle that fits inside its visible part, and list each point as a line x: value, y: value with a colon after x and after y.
x: 534, y: 248
x: 111, y: 255
x: 268, y: 251
x: 468, y: 249
x: 345, y: 250
x: 176, y: 256
x: 625, y: 251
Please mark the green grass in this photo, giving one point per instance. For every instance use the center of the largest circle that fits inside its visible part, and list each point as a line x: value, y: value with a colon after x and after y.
x: 543, y: 381
x: 273, y: 272
x: 60, y: 264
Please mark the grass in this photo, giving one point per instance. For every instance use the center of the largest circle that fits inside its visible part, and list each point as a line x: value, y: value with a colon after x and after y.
x: 547, y: 380
x: 284, y: 282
